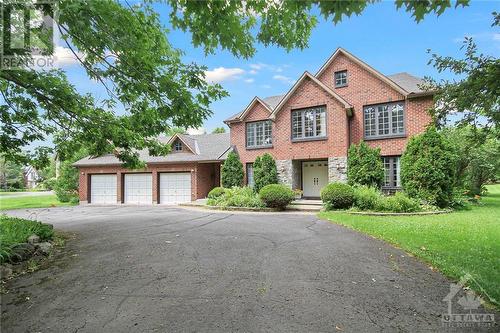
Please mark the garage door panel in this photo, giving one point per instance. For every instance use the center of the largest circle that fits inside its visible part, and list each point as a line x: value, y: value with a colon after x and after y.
x: 103, y: 189
x: 138, y: 188
x: 175, y: 187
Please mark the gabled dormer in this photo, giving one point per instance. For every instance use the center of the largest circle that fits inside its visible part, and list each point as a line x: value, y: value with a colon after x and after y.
x: 181, y: 143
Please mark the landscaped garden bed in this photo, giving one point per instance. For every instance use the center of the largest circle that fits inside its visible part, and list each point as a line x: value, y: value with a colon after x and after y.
x: 23, y: 243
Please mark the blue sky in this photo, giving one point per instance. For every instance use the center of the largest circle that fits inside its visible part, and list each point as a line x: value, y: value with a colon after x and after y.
x: 387, y: 39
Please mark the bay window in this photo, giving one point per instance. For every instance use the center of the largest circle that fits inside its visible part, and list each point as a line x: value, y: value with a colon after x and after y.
x: 384, y: 120
x: 309, y: 123
x: 259, y: 134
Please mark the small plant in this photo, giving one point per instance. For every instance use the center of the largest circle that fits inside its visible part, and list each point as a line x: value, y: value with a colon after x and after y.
x: 276, y: 196
x: 32, y: 265
x: 215, y: 192
x: 367, y: 198
x: 237, y: 197
x: 232, y: 171
x: 337, y: 196
x: 298, y: 193
x: 399, y: 203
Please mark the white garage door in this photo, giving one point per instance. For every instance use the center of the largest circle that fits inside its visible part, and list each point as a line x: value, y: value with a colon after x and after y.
x: 138, y: 188
x: 103, y: 189
x: 175, y: 187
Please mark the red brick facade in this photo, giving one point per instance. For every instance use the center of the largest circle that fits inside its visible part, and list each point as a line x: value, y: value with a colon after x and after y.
x: 363, y: 88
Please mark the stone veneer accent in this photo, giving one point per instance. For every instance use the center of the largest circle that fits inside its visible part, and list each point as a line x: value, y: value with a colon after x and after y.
x: 337, y: 169
x: 285, y: 172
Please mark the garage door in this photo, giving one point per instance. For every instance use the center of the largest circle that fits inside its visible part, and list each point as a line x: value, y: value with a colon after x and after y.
x: 138, y: 188
x: 103, y: 189
x: 175, y: 187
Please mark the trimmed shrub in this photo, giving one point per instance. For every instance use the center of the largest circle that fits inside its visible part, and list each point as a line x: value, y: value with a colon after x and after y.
x: 364, y: 165
x: 66, y: 186
x: 367, y: 198
x: 276, y: 195
x: 398, y: 203
x: 216, y: 192
x: 232, y: 171
x: 337, y: 196
x: 264, y: 172
x: 428, y: 168
x: 237, y: 197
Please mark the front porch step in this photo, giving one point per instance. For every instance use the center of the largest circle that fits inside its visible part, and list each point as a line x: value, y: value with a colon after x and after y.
x: 307, y: 202
x: 304, y: 208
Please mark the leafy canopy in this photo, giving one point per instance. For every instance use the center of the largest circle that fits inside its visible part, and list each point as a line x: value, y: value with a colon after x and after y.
x: 148, y: 87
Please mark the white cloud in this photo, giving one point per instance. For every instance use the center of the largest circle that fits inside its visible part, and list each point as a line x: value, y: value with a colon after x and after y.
x: 249, y: 80
x: 266, y: 86
x: 64, y: 57
x: 221, y: 74
x: 252, y: 71
x: 257, y: 67
x: 284, y: 79
x: 482, y: 36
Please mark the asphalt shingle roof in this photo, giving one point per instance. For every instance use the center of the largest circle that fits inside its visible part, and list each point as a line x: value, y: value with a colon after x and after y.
x: 208, y: 147
x: 407, y: 81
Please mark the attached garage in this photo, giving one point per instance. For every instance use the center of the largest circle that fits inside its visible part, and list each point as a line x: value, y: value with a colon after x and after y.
x: 138, y: 188
x: 175, y: 187
x: 103, y: 189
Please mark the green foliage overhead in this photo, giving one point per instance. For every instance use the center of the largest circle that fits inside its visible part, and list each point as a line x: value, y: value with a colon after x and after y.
x: 428, y: 168
x: 232, y: 171
x: 219, y: 130
x: 337, y: 196
x: 264, y: 172
x: 276, y: 195
x: 149, y: 89
x: 364, y: 165
x: 474, y: 93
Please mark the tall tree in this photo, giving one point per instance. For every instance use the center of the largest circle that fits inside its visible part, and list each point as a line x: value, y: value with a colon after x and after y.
x: 219, y: 130
x: 125, y: 48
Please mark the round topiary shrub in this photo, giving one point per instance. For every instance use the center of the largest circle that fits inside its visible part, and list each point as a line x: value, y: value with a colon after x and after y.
x: 216, y: 192
x: 337, y: 196
x: 276, y: 195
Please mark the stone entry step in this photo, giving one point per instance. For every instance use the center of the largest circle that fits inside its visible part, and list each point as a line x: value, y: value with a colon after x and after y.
x: 306, y: 205
x: 307, y: 202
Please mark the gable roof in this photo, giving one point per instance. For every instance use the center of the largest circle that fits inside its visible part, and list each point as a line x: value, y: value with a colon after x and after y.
x: 408, y: 82
x: 363, y: 64
x: 304, y: 76
x: 209, y: 147
x: 186, y: 140
x: 270, y: 102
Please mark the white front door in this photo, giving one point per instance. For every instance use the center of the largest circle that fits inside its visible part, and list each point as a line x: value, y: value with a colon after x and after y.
x: 138, y: 188
x: 314, y: 177
x: 175, y: 187
x: 103, y: 189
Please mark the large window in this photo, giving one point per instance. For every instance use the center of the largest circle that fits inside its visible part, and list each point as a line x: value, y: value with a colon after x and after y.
x: 384, y: 120
x: 391, y: 166
x: 309, y: 123
x: 259, y: 134
x: 250, y: 179
x: 340, y: 79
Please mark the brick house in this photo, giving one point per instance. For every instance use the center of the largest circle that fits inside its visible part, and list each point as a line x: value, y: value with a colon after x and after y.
x: 308, y: 131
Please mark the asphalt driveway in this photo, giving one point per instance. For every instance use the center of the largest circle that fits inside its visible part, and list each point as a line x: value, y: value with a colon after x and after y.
x: 167, y: 269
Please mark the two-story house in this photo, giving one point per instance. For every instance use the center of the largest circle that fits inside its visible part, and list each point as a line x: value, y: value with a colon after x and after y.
x: 308, y: 130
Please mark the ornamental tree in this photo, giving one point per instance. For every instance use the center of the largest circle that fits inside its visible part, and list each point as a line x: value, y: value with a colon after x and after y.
x: 264, y: 172
x: 232, y: 171
x: 364, y: 165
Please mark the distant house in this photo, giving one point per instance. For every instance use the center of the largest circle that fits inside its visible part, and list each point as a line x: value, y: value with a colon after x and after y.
x: 31, y: 177
x: 307, y: 130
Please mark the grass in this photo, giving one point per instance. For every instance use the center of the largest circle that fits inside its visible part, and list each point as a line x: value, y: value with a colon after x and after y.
x: 40, y: 201
x: 465, y: 241
x: 15, y: 230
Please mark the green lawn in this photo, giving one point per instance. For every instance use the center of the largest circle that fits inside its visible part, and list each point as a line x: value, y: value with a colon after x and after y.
x: 461, y: 242
x: 41, y: 201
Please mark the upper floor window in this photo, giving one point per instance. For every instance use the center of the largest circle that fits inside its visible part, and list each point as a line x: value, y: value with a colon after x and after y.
x: 309, y: 123
x: 391, y: 166
x: 178, y: 146
x: 340, y: 79
x: 259, y: 134
x: 384, y: 120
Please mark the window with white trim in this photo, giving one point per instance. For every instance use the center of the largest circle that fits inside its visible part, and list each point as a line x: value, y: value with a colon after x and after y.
x: 250, y: 179
x: 309, y: 123
x: 340, y: 79
x: 259, y: 134
x: 384, y: 120
x: 178, y: 146
x: 392, y: 171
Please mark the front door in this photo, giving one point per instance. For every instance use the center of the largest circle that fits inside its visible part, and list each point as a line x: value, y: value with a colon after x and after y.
x: 314, y: 177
